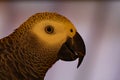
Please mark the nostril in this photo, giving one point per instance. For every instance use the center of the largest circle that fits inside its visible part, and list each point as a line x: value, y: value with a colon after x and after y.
x: 71, y: 30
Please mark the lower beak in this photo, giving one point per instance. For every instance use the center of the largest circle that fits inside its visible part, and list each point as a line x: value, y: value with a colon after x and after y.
x: 72, y: 49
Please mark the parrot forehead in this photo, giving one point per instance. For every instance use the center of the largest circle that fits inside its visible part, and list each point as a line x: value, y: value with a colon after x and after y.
x: 50, y: 18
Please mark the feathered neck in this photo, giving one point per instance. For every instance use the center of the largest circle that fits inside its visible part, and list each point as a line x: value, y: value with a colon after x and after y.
x: 26, y: 56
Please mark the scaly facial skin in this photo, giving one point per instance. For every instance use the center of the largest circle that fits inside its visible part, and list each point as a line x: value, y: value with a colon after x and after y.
x: 58, y: 36
x: 32, y: 49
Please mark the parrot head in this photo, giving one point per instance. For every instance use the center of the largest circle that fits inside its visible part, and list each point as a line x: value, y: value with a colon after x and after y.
x: 38, y: 43
x: 56, y: 32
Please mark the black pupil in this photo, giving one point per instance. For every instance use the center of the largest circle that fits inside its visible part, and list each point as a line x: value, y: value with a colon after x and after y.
x: 49, y: 29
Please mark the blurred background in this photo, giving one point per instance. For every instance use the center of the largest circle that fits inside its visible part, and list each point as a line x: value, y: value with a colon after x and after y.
x: 97, y: 22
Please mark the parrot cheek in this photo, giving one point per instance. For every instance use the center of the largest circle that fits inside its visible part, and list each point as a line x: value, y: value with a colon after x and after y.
x: 72, y: 49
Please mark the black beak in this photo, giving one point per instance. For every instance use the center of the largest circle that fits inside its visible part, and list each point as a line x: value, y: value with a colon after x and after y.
x: 72, y: 49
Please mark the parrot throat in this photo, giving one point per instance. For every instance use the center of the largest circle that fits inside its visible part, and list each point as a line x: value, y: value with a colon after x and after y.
x: 27, y: 58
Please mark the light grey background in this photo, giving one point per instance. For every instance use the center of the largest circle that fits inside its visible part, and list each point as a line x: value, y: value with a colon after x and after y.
x: 97, y: 22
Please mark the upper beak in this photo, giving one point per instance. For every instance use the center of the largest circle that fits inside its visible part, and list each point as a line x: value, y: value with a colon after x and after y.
x: 72, y: 49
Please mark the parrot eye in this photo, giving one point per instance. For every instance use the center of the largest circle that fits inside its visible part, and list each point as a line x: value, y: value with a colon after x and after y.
x: 49, y: 29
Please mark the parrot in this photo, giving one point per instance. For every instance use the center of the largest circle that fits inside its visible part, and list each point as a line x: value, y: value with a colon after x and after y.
x: 37, y: 44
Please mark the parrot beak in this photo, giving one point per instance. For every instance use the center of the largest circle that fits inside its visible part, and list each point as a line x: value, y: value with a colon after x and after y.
x: 72, y: 49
